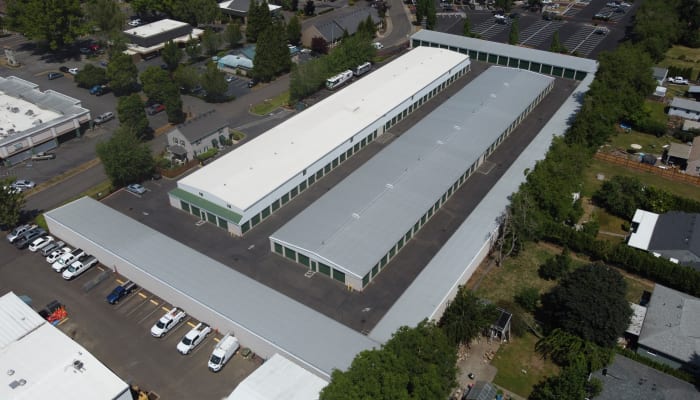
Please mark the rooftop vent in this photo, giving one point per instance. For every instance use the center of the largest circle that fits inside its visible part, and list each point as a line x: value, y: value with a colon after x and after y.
x: 356, y: 215
x: 16, y: 384
x: 389, y: 186
x: 78, y: 365
x: 493, y: 95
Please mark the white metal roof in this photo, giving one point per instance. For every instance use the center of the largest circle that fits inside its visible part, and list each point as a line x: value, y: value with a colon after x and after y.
x: 246, y: 175
x: 40, y: 364
x: 281, y: 321
x: 645, y: 221
x: 279, y: 379
x: 358, y: 221
x: 16, y: 319
x: 154, y: 28
x: 637, y: 319
x: 522, y: 53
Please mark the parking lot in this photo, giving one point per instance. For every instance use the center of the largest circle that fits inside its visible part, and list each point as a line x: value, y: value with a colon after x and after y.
x: 540, y: 33
x: 585, y: 40
x: 119, y: 335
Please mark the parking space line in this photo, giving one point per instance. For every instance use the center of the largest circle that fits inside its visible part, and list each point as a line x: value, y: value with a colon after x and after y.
x: 179, y: 326
x: 190, y: 323
x: 148, y: 315
x: 63, y: 321
x: 154, y: 302
x: 139, y: 306
x: 120, y: 281
x: 142, y: 295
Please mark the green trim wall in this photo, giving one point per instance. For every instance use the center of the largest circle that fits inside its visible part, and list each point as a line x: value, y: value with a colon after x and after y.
x: 204, y: 204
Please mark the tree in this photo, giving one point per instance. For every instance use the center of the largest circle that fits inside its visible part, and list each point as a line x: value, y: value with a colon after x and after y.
x: 233, y: 35
x: 156, y: 83
x: 125, y: 158
x: 55, y: 22
x: 528, y: 298
x: 319, y: 45
x: 122, y: 74
x: 271, y: 53
x: 214, y: 82
x: 467, y: 27
x: 569, y: 384
x: 294, y: 31
x: 194, y: 12
x: 90, y: 76
x: 590, y: 302
x: 131, y: 114
x: 11, y: 203
x: 193, y: 49
x: 426, y: 9
x: 504, y: 5
x: 210, y: 42
x: 173, y: 105
x: 105, y: 16
x: 556, y: 46
x: 186, y: 77
x: 556, y: 267
x: 466, y: 317
x: 566, y: 349
x: 309, y: 8
x: 416, y: 363
x: 172, y: 55
x: 514, y: 35
x: 259, y: 19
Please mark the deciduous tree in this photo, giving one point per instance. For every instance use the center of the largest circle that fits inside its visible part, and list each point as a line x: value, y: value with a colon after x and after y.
x: 211, y: 42
x: 233, y: 35
x: 90, y: 76
x: 186, y: 77
x: 590, y: 302
x: 426, y: 9
x: 309, y: 8
x: 214, y: 82
x: 172, y: 55
x: 156, y: 83
x: 466, y: 317
x: 106, y: 16
x: 56, y: 22
x: 11, y: 203
x: 122, y: 74
x: 125, y: 158
x: 514, y: 35
x: 294, y: 31
x: 132, y: 116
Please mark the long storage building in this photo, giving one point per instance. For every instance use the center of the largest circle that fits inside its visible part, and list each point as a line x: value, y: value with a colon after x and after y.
x: 355, y: 229
x: 247, y: 185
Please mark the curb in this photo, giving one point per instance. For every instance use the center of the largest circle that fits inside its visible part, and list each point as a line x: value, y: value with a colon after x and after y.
x: 66, y: 175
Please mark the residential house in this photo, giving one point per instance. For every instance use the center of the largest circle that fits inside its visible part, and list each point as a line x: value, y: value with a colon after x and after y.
x: 670, y: 330
x: 694, y: 92
x: 481, y: 390
x: 659, y: 74
x: 674, y: 235
x: 693, y: 165
x: 684, y: 108
x: 332, y: 26
x: 239, y: 8
x: 235, y: 63
x: 197, y: 135
x: 626, y: 379
x: 677, y: 154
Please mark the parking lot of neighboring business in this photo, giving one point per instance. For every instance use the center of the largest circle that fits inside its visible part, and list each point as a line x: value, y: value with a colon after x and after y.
x: 586, y: 39
x: 119, y: 335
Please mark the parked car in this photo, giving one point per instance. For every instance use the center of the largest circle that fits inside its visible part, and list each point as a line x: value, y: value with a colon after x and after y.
x: 223, y: 352
x: 85, y: 50
x: 77, y: 267
x: 28, y: 237
x: 63, y: 68
x: 167, y: 322
x: 17, y: 232
x: 55, y: 75
x: 104, y: 117
x: 193, y: 338
x: 135, y: 22
x: 51, y: 247
x: 155, y: 109
x: 73, y: 71
x: 678, y: 80
x: 23, y: 184
x: 378, y: 45
x: 40, y: 242
x: 253, y: 82
x: 136, y: 188
x: 67, y: 259
x: 43, y: 156
x: 99, y: 90
x: 121, y: 291
x: 57, y: 253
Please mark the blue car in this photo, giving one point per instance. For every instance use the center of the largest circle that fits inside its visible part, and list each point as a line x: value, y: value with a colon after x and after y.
x: 121, y: 291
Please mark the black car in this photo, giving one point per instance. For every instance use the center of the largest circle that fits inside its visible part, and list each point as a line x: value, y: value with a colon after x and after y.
x: 54, y: 75
x: 63, y: 68
x: 253, y: 82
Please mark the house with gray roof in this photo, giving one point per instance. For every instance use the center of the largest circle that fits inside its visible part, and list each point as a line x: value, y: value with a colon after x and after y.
x: 239, y: 8
x: 671, y: 330
x: 684, y: 108
x: 674, y: 235
x: 332, y: 27
x: 659, y: 74
x: 693, y: 165
x: 197, y: 135
x: 626, y: 379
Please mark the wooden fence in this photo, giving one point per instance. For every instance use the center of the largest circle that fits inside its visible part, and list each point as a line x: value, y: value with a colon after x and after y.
x: 669, y: 173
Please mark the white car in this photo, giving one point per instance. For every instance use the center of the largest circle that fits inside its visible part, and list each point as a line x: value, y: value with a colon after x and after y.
x: 167, y: 322
x: 56, y: 254
x: 136, y: 188
x: 378, y: 45
x: 73, y: 71
x: 84, y: 263
x: 135, y: 22
x: 23, y: 184
x: 678, y: 80
x: 193, y: 338
x: 40, y: 243
x: 67, y: 259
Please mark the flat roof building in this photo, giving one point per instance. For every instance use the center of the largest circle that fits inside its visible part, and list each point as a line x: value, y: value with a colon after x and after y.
x: 355, y: 229
x: 245, y: 186
x: 31, y: 121
x: 150, y: 38
x: 40, y: 362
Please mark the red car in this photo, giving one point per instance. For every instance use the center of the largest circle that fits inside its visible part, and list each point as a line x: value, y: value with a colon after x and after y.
x: 155, y: 109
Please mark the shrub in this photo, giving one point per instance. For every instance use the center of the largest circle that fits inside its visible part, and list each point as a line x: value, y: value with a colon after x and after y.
x: 207, y: 154
x: 528, y: 298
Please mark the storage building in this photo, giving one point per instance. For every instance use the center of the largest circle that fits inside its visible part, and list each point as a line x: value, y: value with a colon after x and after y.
x: 354, y: 230
x: 242, y: 188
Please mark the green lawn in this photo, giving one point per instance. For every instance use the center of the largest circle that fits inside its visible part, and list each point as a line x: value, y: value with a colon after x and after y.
x: 591, y: 184
x: 269, y: 105
x: 520, y: 367
x: 683, y: 57
x: 649, y: 143
x: 657, y: 110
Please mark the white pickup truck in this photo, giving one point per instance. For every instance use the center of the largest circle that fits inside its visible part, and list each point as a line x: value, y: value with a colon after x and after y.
x: 223, y: 352
x: 82, y: 264
x: 167, y: 322
x: 678, y: 80
x: 193, y: 338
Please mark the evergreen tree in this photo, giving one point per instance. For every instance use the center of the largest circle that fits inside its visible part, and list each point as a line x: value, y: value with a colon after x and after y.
x: 514, y: 36
x: 233, y: 34
x: 252, y: 22
x: 467, y: 27
x: 214, y: 82
x: 294, y: 31
x: 556, y: 46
